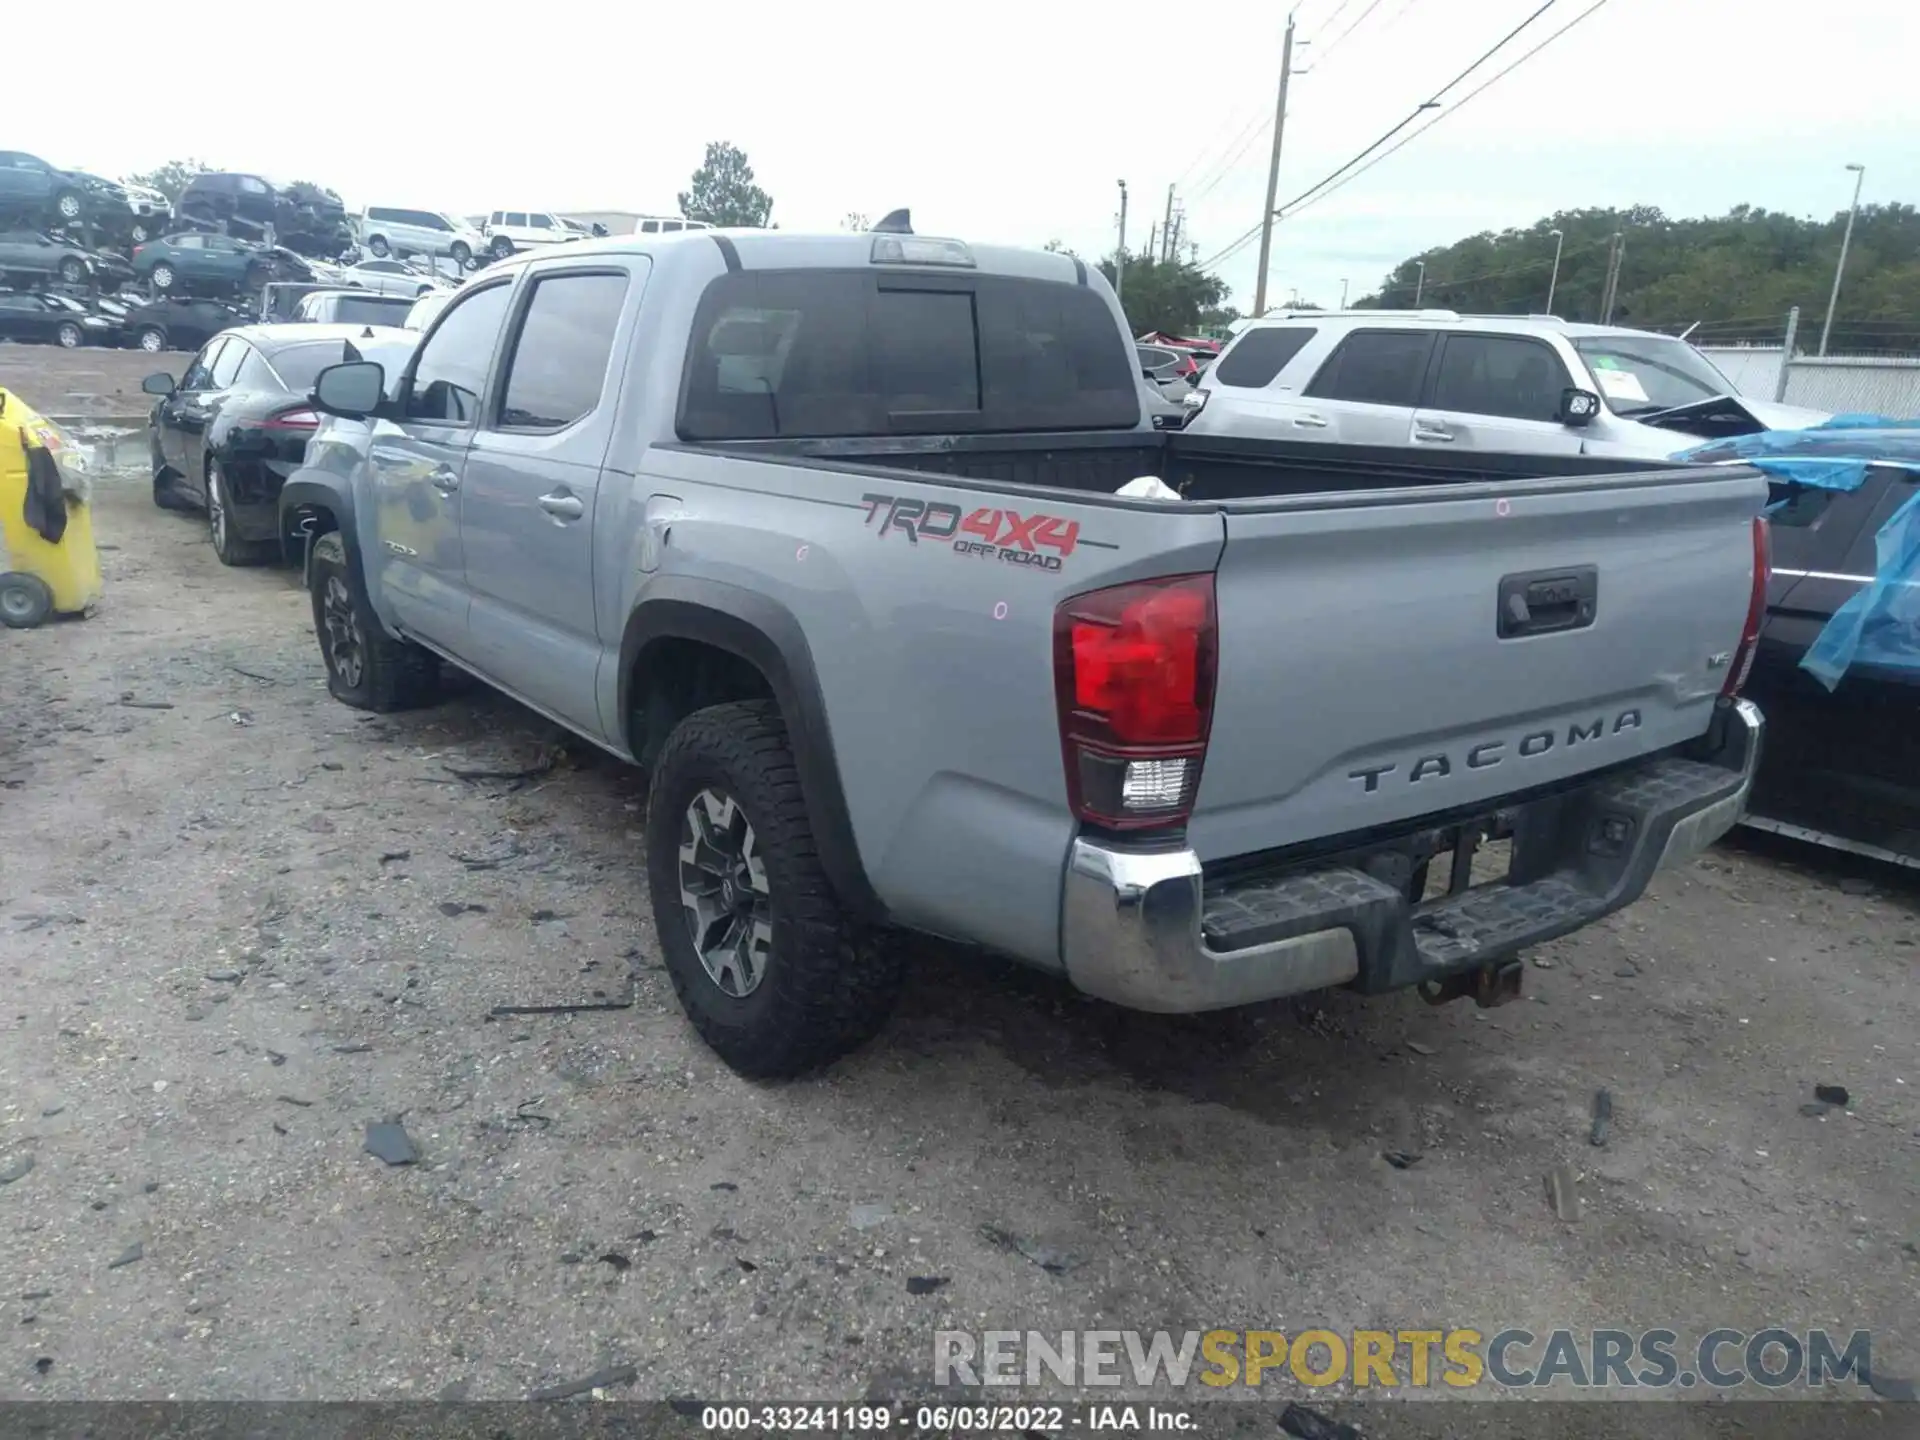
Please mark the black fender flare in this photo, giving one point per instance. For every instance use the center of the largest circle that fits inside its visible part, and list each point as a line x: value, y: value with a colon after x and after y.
x: 765, y: 634
x: 328, y: 492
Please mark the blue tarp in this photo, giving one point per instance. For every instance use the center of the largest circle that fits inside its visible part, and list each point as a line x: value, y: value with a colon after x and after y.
x: 1880, y: 625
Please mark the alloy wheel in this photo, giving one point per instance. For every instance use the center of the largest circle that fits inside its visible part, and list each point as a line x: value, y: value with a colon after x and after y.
x: 723, y: 889
x: 346, y: 654
x: 216, y: 507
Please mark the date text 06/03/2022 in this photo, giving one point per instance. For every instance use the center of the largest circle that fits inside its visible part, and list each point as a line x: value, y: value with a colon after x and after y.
x: 942, y: 1419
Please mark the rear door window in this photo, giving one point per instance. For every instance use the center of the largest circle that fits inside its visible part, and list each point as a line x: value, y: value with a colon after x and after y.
x: 517, y: 217
x: 558, y: 365
x: 833, y: 352
x: 1375, y: 367
x: 227, y: 364
x: 1505, y: 375
x: 199, y: 373
x: 1260, y: 355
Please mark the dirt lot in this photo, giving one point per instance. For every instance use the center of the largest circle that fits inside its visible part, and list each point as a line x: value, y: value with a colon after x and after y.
x: 83, y: 382
x: 239, y: 923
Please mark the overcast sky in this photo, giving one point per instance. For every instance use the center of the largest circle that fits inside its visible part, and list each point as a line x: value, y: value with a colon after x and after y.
x: 1012, y: 122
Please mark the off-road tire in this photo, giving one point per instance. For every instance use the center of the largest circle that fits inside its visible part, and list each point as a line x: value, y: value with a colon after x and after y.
x: 393, y: 675
x: 828, y: 984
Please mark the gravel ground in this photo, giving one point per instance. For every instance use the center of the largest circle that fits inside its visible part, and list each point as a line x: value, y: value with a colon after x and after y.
x: 239, y: 923
x: 84, y: 382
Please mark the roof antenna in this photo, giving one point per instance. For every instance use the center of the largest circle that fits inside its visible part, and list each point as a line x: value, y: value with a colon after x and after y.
x: 895, y: 222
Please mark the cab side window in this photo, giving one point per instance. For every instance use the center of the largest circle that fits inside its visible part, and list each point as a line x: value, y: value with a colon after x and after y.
x: 450, y: 372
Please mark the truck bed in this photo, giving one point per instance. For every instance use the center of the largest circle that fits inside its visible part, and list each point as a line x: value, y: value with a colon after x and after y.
x: 1200, y: 467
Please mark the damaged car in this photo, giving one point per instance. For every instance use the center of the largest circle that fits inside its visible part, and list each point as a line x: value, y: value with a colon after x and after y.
x: 1508, y: 384
x: 226, y: 435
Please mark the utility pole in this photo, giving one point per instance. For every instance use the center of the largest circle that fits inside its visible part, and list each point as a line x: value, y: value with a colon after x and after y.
x: 1420, y: 285
x: 1120, y: 255
x: 1165, y: 252
x: 1273, y: 173
x: 1846, y: 239
x: 1343, y: 292
x: 1153, y: 238
x: 1610, y: 291
x: 1553, y: 280
x: 1786, y: 355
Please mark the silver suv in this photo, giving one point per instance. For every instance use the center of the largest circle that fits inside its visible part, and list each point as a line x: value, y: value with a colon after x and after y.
x: 388, y: 230
x: 1526, y: 384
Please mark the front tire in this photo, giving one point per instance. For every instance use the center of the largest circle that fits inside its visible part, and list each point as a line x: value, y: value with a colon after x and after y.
x: 462, y: 253
x: 772, y: 974
x: 366, y: 667
x: 378, y: 247
x: 152, y: 339
x: 69, y: 336
x: 25, y: 600
x: 72, y: 272
x: 502, y: 247
x: 68, y: 205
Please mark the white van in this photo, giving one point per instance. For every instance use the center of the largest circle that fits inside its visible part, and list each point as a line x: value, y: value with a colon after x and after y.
x: 388, y: 230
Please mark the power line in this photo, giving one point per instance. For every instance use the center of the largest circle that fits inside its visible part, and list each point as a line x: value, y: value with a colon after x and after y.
x: 1458, y: 105
x: 1334, y: 180
x: 1418, y: 111
x: 1225, y: 167
x: 1372, y: 6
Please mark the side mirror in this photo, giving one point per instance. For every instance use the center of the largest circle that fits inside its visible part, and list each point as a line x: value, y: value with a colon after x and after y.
x: 352, y: 390
x: 158, y: 384
x: 1578, y: 407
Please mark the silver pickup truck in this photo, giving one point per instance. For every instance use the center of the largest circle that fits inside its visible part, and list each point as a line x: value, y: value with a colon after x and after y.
x: 823, y: 532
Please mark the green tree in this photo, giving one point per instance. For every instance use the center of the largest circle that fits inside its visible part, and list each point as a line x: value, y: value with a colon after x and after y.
x: 1734, y: 276
x: 171, y: 178
x: 723, y: 192
x: 1167, y: 295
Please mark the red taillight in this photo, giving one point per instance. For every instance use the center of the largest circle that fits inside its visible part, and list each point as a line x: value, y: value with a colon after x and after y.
x: 292, y: 420
x: 1756, y: 609
x: 136, y: 251
x: 1133, y: 675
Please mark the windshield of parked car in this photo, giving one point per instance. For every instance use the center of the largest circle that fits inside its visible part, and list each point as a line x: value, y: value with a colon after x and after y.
x: 367, y: 310
x: 1640, y: 374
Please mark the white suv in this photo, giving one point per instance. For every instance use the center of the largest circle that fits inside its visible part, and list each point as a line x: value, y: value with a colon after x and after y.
x: 388, y: 230
x: 511, y: 230
x: 1433, y: 379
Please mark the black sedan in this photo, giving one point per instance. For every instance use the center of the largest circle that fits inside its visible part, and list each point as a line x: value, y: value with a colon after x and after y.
x: 227, y: 435
x: 172, y: 323
x: 44, y: 319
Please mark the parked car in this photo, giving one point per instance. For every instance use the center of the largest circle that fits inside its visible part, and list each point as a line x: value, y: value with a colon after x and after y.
x: 311, y: 221
x: 236, y: 424
x: 351, y: 307
x: 510, y: 230
x: 1507, y: 383
x: 171, y: 322
x: 110, y: 271
x: 36, y: 192
x: 245, y: 203
x: 33, y: 255
x: 388, y: 230
x: 152, y: 212
x: 1172, y: 371
x: 421, y: 313
x: 885, y: 465
x: 40, y: 318
x: 389, y: 277
x: 667, y: 225
x: 201, y: 261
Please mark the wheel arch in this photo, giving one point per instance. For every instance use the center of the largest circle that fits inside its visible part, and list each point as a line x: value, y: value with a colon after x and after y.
x: 313, y: 504
x: 694, y: 643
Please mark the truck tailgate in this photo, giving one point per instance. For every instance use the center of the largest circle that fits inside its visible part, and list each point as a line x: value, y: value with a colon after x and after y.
x: 1364, y: 678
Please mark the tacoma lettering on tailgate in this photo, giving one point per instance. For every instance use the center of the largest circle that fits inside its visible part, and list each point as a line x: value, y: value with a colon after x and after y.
x: 1036, y: 540
x: 1489, y: 753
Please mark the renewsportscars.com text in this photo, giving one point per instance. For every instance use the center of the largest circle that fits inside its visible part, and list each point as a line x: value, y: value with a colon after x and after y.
x: 1459, y: 1358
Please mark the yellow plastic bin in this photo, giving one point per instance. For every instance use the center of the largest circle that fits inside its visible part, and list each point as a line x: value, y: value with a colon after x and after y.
x: 48, y: 563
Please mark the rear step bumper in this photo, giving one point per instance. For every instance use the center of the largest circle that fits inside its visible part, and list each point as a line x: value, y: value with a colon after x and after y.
x: 1142, y: 928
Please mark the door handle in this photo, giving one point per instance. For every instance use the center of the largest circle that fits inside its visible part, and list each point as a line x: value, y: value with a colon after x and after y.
x: 1428, y: 432
x: 1310, y: 422
x: 562, y: 506
x: 445, y: 479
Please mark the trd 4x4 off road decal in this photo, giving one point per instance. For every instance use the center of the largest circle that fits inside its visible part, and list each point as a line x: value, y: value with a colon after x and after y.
x: 1037, y: 541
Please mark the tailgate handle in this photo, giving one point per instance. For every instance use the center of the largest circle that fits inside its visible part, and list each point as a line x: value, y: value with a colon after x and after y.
x: 1541, y: 602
